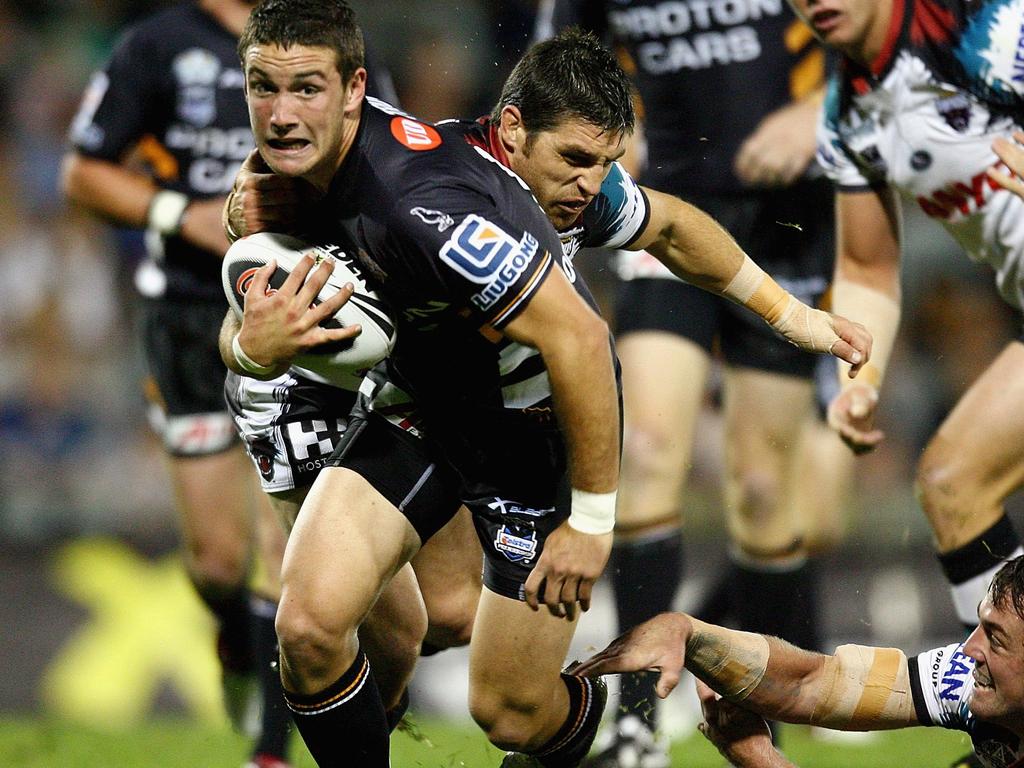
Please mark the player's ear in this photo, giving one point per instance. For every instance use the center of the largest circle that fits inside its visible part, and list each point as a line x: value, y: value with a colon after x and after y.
x: 511, y: 128
x: 355, y: 89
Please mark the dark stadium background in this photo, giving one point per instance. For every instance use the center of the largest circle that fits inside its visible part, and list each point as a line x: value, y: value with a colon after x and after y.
x: 96, y: 621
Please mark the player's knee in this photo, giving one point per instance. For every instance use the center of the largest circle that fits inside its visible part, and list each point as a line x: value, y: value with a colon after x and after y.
x: 761, y: 526
x: 216, y: 570
x: 645, y: 449
x: 945, y: 493
x: 310, y: 644
x: 450, y: 621
x: 756, y: 498
x: 509, y: 723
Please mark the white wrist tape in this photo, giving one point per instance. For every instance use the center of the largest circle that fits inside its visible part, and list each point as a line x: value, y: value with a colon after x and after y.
x: 246, y: 362
x: 880, y: 314
x: 592, y: 513
x: 166, y: 210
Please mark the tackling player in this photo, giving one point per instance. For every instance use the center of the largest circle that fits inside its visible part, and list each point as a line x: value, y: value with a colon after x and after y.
x: 730, y: 101
x: 976, y: 686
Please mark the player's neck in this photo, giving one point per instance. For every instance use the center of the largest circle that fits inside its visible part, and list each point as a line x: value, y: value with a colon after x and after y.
x: 231, y: 14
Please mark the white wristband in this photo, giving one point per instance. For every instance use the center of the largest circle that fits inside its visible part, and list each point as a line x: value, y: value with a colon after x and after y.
x: 166, y: 210
x: 592, y: 513
x: 246, y: 362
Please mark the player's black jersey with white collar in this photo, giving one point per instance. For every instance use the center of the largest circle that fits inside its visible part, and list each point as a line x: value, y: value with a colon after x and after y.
x: 459, y: 246
x: 173, y: 88
x: 707, y: 71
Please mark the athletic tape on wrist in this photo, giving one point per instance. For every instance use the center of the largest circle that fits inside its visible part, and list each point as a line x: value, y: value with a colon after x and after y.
x: 166, y: 210
x: 592, y: 513
x: 877, y: 312
x: 730, y: 661
x: 246, y: 362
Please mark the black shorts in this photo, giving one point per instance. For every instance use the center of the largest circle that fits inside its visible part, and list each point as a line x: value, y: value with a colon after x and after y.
x: 180, y: 341
x: 512, y: 521
x: 789, y: 233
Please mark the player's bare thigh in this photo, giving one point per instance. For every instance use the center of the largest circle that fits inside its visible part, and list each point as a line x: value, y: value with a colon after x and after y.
x: 764, y: 418
x: 663, y: 378
x: 347, y: 544
x: 976, y: 459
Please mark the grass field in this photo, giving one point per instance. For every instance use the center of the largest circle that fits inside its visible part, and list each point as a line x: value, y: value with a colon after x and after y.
x: 35, y: 743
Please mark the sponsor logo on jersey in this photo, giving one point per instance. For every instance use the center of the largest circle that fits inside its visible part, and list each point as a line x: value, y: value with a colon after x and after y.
x: 438, y: 219
x: 955, y: 675
x: 507, y: 507
x: 484, y: 253
x: 413, y: 134
x: 961, y: 198
x: 956, y: 111
x: 515, y: 546
x: 262, y: 452
x: 196, y: 71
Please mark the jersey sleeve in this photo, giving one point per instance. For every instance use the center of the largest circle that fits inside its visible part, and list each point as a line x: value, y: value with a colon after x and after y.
x: 489, y: 261
x: 832, y: 154
x: 618, y: 213
x: 555, y: 15
x: 114, y: 109
x: 941, y: 681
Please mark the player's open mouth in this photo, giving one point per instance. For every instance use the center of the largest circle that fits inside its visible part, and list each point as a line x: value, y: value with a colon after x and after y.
x: 982, y: 680
x: 574, y: 206
x: 825, y: 21
x: 287, y: 145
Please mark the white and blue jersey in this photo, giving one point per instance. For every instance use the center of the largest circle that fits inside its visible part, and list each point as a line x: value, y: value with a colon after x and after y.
x: 923, y: 116
x: 942, y: 682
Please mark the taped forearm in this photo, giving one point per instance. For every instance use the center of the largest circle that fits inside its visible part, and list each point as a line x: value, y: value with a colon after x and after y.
x: 731, y: 662
x: 880, y: 314
x: 804, y: 326
x: 864, y: 689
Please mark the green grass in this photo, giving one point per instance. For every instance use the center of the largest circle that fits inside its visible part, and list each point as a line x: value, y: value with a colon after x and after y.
x: 40, y: 743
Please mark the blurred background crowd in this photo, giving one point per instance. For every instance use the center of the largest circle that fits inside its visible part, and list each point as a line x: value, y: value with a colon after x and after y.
x: 80, y: 468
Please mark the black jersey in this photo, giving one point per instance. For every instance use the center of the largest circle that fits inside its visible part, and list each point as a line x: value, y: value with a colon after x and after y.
x: 707, y: 73
x: 173, y: 89
x: 459, y: 246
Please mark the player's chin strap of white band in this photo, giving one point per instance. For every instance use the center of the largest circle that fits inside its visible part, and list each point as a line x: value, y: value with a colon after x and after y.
x: 246, y: 362
x: 166, y: 210
x: 592, y: 513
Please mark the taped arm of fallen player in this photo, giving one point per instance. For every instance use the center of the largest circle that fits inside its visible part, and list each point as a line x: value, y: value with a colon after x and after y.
x: 697, y: 249
x: 866, y: 288
x: 856, y: 688
x: 132, y: 199
x: 574, y: 342
x: 275, y: 328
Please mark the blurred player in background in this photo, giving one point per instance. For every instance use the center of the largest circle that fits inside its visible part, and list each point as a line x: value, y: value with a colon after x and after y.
x: 157, y: 141
x: 936, y: 151
x: 730, y: 99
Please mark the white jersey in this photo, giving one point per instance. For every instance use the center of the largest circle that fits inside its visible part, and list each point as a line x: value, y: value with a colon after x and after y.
x: 923, y: 117
x: 942, y: 682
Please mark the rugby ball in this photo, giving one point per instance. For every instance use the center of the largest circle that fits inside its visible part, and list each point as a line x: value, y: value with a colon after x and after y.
x: 342, y: 363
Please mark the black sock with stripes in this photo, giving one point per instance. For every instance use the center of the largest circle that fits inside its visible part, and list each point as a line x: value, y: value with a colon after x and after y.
x: 970, y: 568
x: 645, y: 574
x: 276, y: 723
x: 571, y: 743
x: 344, y: 726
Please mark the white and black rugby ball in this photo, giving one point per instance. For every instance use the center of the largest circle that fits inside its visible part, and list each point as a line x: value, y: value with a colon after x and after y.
x: 341, y: 363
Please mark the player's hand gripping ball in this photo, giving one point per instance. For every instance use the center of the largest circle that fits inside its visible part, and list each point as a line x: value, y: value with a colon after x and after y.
x: 341, y: 363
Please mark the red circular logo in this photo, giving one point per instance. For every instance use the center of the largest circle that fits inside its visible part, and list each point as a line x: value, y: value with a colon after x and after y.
x: 414, y: 135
